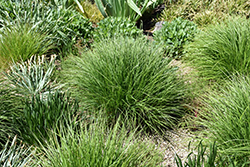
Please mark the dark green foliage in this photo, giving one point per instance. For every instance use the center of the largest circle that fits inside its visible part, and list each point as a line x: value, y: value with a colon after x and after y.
x: 43, y: 114
x: 79, y: 28
x: 129, y: 78
x: 10, y: 107
x: 174, y: 35
x: 111, y: 27
x: 221, y: 50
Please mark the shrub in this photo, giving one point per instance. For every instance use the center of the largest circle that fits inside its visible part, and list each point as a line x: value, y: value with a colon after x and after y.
x: 221, y: 50
x: 226, y: 115
x: 173, y: 35
x: 42, y: 114
x: 20, y: 43
x: 95, y: 145
x: 116, y: 26
x: 129, y: 78
x: 78, y: 27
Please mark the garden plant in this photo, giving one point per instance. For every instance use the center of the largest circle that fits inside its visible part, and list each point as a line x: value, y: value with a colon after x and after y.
x: 128, y: 78
x: 82, y: 85
x: 221, y: 50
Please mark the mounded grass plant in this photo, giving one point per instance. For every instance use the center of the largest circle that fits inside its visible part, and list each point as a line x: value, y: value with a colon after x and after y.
x: 63, y: 25
x: 129, y: 78
x: 96, y: 145
x: 20, y: 42
x: 221, y: 50
x: 225, y: 115
x: 32, y: 102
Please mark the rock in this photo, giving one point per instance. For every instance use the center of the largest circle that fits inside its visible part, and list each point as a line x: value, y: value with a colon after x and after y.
x: 158, y: 26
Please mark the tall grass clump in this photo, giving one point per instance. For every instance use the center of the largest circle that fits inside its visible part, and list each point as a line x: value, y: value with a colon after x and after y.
x: 32, y: 100
x: 203, y: 156
x: 20, y: 43
x: 129, y: 78
x: 95, y: 145
x: 226, y: 113
x: 221, y: 50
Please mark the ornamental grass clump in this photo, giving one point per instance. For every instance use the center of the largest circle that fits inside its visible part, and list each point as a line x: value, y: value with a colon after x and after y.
x: 221, y: 50
x: 129, y: 78
x: 96, y: 145
x: 226, y: 115
x: 20, y: 42
x: 63, y: 25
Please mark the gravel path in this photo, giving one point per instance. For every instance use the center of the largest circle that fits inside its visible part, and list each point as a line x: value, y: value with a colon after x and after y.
x: 178, y: 144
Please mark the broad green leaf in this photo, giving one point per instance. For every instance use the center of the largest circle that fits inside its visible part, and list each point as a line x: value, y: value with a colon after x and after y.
x: 100, y: 5
x: 79, y: 5
x: 134, y: 7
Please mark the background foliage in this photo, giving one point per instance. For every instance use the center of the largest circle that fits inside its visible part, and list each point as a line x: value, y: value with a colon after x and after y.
x: 174, y: 35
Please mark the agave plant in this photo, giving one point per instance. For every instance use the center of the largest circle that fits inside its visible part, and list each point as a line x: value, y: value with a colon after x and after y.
x: 14, y: 155
x: 34, y: 76
x: 123, y: 8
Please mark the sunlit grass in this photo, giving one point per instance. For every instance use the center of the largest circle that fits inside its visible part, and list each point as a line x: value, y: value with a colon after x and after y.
x: 129, y: 78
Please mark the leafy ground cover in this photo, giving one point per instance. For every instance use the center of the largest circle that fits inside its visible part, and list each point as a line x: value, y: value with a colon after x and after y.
x: 80, y: 90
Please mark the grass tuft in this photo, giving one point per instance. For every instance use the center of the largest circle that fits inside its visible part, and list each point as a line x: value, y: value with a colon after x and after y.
x: 226, y: 115
x: 221, y: 50
x: 129, y: 78
x: 95, y: 145
x: 20, y: 43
